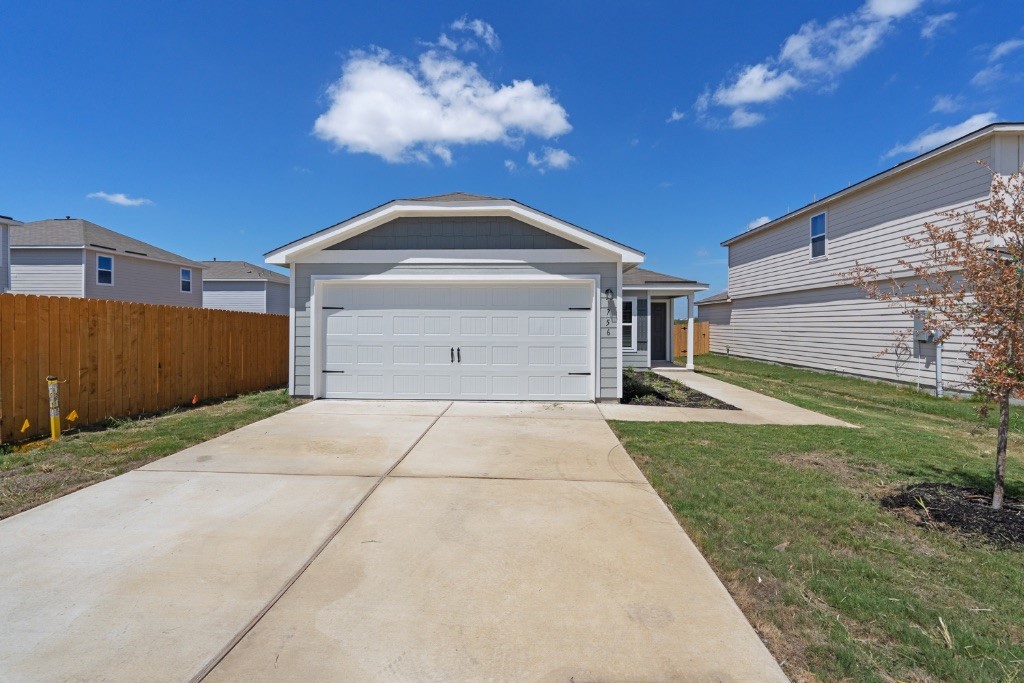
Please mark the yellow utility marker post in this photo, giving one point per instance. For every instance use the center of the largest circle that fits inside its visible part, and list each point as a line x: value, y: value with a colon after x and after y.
x: 53, y: 386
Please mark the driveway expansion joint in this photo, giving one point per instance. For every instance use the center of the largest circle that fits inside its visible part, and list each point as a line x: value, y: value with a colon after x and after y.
x: 224, y: 652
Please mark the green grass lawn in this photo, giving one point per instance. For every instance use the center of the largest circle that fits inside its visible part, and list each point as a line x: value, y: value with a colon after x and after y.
x: 34, y: 473
x: 789, y: 517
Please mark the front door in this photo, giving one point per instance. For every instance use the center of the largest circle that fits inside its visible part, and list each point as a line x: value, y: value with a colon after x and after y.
x: 659, y: 330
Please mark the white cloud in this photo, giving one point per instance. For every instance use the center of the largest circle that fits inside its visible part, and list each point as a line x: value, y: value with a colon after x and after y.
x: 932, y: 138
x: 814, y: 56
x: 1004, y: 48
x: 947, y: 104
x: 892, y: 8
x: 676, y: 115
x: 988, y: 76
x: 119, y: 198
x: 404, y: 111
x: 741, y: 118
x: 481, y: 29
x: 758, y: 222
x: 935, y: 22
x: 510, y: 165
x: 754, y: 85
x: 550, y: 158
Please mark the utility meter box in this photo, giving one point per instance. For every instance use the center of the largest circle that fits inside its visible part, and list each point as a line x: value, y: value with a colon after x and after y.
x: 921, y: 334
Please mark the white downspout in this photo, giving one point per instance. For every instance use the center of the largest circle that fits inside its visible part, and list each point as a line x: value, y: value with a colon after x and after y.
x: 689, y: 331
x: 938, y: 369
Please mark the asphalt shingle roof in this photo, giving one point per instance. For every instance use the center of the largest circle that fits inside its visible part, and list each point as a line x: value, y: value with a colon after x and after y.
x: 77, y: 232
x: 240, y: 270
x: 719, y: 298
x: 642, y: 276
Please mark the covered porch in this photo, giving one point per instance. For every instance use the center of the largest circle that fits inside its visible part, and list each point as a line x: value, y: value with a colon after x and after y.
x: 650, y: 302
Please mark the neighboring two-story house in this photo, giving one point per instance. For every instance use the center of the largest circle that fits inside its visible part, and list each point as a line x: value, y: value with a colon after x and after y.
x: 5, y: 251
x: 242, y: 286
x: 73, y: 257
x: 788, y: 300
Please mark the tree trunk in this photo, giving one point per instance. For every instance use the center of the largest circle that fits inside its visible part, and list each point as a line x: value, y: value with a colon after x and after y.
x: 1004, y: 430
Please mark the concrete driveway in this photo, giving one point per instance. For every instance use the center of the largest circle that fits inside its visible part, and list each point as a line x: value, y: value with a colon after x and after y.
x: 373, y: 541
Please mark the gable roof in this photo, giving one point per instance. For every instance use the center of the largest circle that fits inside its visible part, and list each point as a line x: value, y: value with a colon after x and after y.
x: 641, y: 276
x: 453, y: 197
x: 903, y: 166
x: 77, y: 233
x: 451, y: 204
x: 718, y: 298
x: 240, y: 270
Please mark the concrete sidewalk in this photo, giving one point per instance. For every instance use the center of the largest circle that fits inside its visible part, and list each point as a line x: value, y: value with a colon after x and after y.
x: 754, y: 408
x: 374, y: 541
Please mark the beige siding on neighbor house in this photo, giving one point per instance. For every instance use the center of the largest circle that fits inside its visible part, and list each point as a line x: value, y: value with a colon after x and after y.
x: 47, y: 272
x: 144, y: 281
x: 835, y: 328
x: 868, y: 226
x: 235, y: 295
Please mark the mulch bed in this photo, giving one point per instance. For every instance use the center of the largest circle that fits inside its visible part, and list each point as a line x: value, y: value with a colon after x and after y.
x: 646, y: 388
x: 964, y: 510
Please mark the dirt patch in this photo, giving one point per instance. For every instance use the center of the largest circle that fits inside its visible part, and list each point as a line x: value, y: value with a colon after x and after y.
x: 646, y: 388
x: 845, y: 473
x: 962, y: 510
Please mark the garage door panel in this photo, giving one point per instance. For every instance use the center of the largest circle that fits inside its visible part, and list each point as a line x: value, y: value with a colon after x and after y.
x: 406, y: 324
x: 407, y: 355
x: 515, y: 342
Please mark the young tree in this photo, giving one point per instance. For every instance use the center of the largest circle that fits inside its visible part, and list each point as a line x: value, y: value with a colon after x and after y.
x: 968, y: 275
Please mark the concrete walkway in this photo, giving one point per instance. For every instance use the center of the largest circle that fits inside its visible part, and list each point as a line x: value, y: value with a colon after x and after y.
x: 373, y: 541
x: 754, y: 408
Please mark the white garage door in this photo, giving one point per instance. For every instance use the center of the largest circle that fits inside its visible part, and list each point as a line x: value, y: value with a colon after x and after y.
x: 458, y: 341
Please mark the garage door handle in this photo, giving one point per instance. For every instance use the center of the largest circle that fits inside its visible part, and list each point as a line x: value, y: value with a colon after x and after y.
x: 458, y: 352
x: 579, y: 373
x: 453, y: 353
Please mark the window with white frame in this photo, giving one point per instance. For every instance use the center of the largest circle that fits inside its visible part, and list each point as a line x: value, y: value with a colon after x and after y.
x: 104, y: 270
x: 818, y: 235
x: 186, y: 279
x: 628, y: 323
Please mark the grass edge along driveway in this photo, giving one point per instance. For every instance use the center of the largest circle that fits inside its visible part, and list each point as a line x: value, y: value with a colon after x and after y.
x: 789, y: 517
x: 40, y: 471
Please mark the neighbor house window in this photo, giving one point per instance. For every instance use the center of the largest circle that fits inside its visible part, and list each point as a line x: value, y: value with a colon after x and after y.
x: 629, y: 324
x: 818, y: 235
x: 104, y: 270
x: 186, y: 280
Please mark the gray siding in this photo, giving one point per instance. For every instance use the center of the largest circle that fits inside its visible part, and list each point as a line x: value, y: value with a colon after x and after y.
x: 247, y: 295
x: 638, y: 358
x: 277, y: 298
x: 607, y: 271
x: 48, y: 272
x: 5, y: 257
x: 837, y: 329
x: 454, y: 232
x: 868, y: 226
x: 143, y: 280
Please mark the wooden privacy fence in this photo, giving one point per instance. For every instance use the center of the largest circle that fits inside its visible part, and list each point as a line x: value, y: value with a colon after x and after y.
x: 701, y: 338
x: 118, y: 359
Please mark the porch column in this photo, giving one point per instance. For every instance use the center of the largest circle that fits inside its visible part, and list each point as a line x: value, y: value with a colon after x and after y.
x: 689, y: 331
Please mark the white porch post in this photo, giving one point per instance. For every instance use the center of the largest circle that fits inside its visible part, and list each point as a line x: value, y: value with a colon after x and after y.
x: 689, y: 331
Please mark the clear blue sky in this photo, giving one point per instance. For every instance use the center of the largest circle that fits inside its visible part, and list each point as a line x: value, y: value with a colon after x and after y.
x: 247, y: 126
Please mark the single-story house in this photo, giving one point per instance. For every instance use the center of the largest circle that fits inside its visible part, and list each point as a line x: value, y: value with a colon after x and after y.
x: 462, y: 296
x: 788, y: 300
x: 77, y: 258
x: 5, y: 251
x: 242, y: 286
